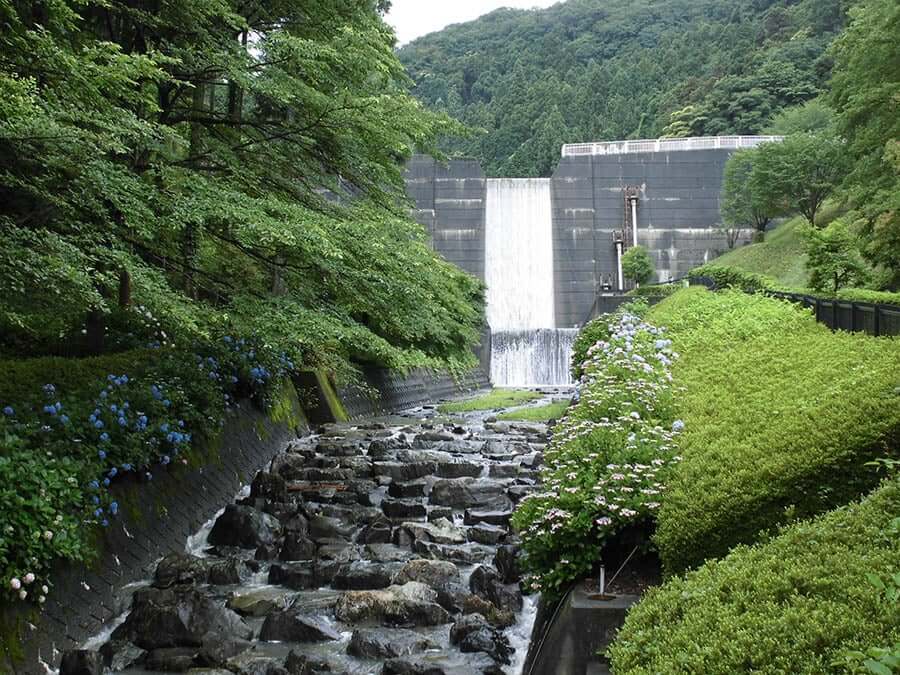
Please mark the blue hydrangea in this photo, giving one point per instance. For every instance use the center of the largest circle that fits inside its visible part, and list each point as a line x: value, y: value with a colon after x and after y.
x: 677, y: 425
x: 114, y: 508
x: 8, y: 411
x: 104, y: 437
x: 98, y: 424
x: 112, y: 472
x: 101, y: 454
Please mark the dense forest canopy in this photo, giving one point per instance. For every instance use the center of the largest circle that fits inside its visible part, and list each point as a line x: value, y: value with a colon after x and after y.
x: 593, y: 70
x: 182, y: 157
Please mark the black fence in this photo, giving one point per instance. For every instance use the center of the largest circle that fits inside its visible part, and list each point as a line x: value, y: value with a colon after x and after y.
x: 866, y: 317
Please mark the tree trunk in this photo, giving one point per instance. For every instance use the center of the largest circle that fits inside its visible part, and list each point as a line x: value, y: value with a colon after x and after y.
x: 96, y: 332
x: 190, y: 241
x: 124, y: 288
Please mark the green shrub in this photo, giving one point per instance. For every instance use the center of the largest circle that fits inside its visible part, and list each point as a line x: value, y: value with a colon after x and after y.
x: 794, y: 604
x: 728, y: 277
x: 780, y: 416
x: 654, y: 290
x: 637, y: 264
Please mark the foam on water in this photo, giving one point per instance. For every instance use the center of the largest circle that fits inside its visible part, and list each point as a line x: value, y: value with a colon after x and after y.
x: 530, y: 358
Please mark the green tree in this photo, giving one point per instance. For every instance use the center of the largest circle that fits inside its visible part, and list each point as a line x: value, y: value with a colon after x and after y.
x: 637, y: 265
x: 741, y: 206
x: 689, y: 121
x: 833, y: 258
x: 229, y: 167
x: 797, y: 174
x: 811, y: 117
x: 864, y: 94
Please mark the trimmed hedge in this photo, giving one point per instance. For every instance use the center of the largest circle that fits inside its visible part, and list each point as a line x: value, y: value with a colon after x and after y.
x: 728, y: 277
x: 780, y: 417
x: 750, y: 282
x: 655, y: 290
x: 795, y: 604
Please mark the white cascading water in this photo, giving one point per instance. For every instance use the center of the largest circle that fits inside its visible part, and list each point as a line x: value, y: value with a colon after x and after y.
x: 526, y: 347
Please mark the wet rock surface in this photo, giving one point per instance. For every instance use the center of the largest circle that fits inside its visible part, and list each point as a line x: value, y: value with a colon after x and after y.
x: 379, y: 547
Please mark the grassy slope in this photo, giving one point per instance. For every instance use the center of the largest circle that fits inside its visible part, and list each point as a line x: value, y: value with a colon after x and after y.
x: 495, y: 399
x: 541, y: 413
x: 780, y: 416
x: 780, y: 256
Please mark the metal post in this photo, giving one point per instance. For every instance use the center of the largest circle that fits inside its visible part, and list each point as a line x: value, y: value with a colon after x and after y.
x: 634, y: 226
x: 619, y: 275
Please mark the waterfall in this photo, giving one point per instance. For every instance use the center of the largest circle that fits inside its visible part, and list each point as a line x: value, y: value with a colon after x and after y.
x: 526, y: 347
x: 532, y: 357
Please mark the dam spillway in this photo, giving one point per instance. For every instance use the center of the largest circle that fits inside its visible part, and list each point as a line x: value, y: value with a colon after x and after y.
x: 526, y: 347
x: 500, y: 231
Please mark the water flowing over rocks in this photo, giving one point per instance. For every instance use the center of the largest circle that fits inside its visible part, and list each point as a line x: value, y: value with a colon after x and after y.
x: 372, y: 548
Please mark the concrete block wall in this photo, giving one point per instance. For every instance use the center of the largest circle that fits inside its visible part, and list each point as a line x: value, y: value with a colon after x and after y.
x: 678, y: 210
x: 449, y: 203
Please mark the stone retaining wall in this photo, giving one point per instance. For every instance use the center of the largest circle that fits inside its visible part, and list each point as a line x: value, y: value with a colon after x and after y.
x: 391, y: 391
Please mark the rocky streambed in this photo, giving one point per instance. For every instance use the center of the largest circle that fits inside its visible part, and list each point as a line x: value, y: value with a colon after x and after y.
x: 379, y: 547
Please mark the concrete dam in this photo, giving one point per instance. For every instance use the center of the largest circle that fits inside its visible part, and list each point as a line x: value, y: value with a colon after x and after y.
x: 547, y: 248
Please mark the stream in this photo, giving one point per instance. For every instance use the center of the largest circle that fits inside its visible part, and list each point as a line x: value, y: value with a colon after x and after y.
x: 381, y: 546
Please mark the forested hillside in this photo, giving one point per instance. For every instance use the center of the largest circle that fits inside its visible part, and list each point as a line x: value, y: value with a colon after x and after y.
x: 589, y: 70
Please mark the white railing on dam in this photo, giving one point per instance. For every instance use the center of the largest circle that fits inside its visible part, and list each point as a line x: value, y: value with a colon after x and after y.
x: 666, y: 145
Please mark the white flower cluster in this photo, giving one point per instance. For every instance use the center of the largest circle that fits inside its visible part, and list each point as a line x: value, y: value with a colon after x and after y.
x: 606, y: 464
x: 18, y: 587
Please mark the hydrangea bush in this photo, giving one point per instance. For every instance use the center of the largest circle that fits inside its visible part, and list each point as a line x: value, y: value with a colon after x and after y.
x: 67, y: 443
x: 605, y: 468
